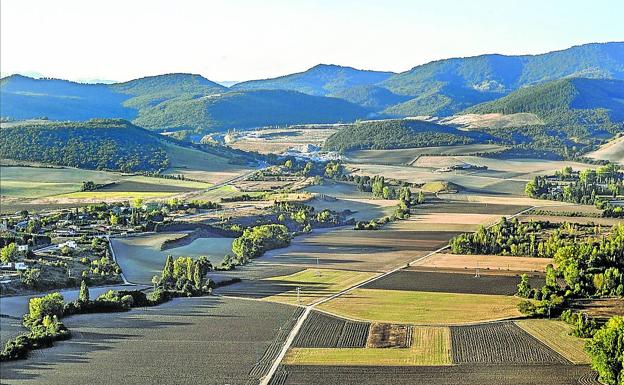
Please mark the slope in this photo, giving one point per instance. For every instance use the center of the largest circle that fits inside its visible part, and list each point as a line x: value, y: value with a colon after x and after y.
x: 322, y: 79
x: 448, y: 86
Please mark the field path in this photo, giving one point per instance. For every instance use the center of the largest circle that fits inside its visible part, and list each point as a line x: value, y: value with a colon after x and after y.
x: 267, y: 379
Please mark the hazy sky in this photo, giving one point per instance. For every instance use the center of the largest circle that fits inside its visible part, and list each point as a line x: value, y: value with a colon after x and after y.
x: 244, y: 39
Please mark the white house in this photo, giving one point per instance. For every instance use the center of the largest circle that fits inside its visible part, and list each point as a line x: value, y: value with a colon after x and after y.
x: 22, y: 248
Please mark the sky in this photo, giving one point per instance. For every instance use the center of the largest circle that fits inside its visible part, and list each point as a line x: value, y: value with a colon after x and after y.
x: 235, y: 40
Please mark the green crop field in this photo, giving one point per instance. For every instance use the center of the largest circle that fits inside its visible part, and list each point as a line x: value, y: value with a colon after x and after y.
x: 416, y: 307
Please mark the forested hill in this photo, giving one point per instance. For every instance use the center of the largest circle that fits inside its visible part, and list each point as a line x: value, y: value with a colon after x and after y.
x: 320, y: 80
x: 22, y: 97
x: 389, y: 134
x: 588, y: 105
x: 95, y: 144
x: 248, y: 109
x: 169, y: 102
x: 448, y: 86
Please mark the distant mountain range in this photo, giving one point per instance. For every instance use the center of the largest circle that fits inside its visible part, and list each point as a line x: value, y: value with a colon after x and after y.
x: 324, y: 93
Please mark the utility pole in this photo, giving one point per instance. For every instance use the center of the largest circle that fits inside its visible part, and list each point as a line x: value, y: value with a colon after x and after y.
x: 477, y: 271
x: 298, y: 293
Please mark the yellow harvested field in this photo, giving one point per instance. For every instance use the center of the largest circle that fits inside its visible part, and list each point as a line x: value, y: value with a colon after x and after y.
x: 422, y: 308
x: 484, y: 262
x: 455, y: 218
x: 315, y: 284
x: 556, y: 335
x: 505, y: 200
x: 431, y: 346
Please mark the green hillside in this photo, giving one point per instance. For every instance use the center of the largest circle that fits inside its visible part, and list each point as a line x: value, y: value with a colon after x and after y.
x: 587, y: 106
x: 389, y: 134
x: 373, y: 97
x: 448, y: 86
x: 320, y: 80
x: 109, y: 144
x: 22, y: 97
x: 578, y: 114
x: 247, y: 109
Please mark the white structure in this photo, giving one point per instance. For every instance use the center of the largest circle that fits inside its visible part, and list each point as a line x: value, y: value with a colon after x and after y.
x: 70, y: 244
x: 22, y: 248
x: 20, y: 266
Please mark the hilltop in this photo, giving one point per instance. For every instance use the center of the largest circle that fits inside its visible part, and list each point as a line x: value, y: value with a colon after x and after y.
x: 103, y: 144
x: 449, y: 86
x: 321, y: 80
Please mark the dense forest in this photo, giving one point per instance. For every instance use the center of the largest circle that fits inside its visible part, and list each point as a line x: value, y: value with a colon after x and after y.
x: 448, y: 86
x: 387, y: 134
x: 95, y: 144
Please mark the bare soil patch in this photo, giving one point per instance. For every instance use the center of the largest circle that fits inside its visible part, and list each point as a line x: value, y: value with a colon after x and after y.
x: 444, y: 282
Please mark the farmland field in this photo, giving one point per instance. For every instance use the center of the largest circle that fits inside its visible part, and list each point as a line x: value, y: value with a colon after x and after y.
x: 358, y: 250
x: 612, y: 151
x: 140, y: 258
x: 99, y: 196
x: 199, y: 165
x: 556, y: 335
x: 485, y: 262
x: 423, y: 308
x: 430, y: 346
x: 497, y: 343
x: 409, y: 155
x: 206, y: 340
x: 364, y: 209
x: 322, y: 330
x: 431, y: 281
x: 547, y: 374
x: 314, y: 284
x: 34, y: 182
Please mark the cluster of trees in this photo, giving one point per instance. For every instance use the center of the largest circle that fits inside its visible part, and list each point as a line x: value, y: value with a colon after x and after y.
x: 606, y: 349
x: 96, y: 144
x: 184, y: 276
x: 305, y: 216
x: 504, y: 238
x: 585, y: 187
x: 255, y: 241
x: 42, y: 321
